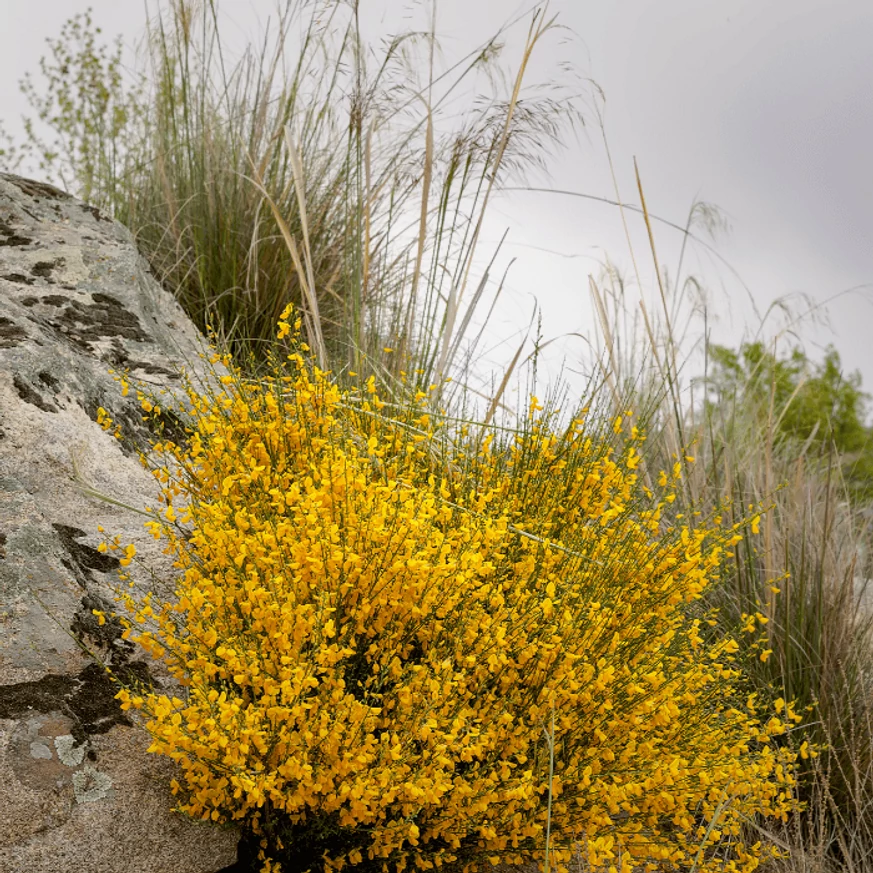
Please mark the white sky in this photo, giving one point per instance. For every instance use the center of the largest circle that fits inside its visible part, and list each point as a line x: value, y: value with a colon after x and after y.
x: 762, y: 107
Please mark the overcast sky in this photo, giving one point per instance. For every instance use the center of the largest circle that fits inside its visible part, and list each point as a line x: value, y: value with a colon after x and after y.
x: 762, y: 107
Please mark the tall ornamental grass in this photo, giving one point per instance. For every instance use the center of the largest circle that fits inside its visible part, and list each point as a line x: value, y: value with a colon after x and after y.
x: 315, y: 169
x: 808, y: 570
x: 772, y: 435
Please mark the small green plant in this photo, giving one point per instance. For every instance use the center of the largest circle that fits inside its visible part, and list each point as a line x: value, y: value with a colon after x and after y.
x: 89, y: 107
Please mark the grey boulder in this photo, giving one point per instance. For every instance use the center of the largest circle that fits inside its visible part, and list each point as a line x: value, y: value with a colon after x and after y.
x: 77, y: 789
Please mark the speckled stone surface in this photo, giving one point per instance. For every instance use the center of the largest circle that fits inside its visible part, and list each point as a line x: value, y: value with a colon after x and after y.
x: 78, y: 792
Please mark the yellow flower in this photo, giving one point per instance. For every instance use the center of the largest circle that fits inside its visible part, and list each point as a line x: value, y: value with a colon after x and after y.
x: 381, y: 625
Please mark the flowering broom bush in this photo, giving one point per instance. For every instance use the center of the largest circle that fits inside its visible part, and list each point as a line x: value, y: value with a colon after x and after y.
x: 404, y: 647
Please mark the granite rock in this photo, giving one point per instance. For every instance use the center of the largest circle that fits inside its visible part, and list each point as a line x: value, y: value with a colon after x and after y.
x: 77, y: 789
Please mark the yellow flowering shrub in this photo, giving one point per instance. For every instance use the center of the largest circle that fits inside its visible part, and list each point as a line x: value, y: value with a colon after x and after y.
x: 388, y: 635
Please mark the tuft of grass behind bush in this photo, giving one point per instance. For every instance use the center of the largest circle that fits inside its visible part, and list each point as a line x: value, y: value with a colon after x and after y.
x: 779, y: 434
x: 314, y: 170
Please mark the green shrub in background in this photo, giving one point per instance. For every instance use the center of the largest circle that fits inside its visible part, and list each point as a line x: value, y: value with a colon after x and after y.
x: 815, y: 408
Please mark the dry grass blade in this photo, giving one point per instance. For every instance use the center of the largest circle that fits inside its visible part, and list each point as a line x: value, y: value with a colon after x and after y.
x: 504, y: 382
x: 612, y: 373
x: 539, y: 26
x: 427, y: 179
x: 311, y: 296
x: 310, y: 313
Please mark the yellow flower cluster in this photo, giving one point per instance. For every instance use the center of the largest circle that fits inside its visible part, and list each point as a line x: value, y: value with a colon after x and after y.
x: 376, y: 628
